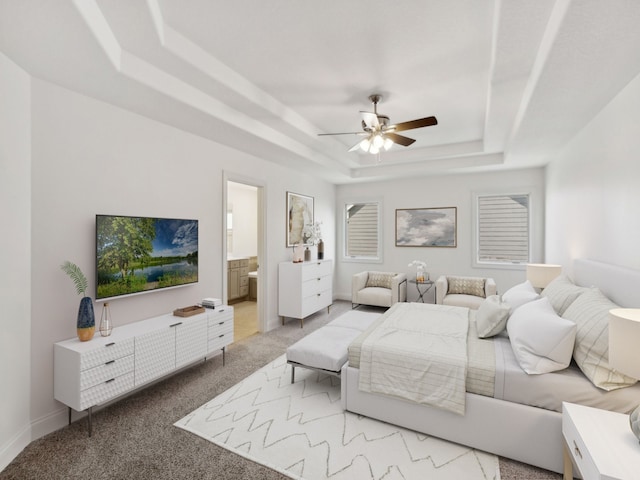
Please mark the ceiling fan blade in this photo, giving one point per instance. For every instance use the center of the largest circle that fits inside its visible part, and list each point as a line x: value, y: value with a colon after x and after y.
x: 418, y: 123
x: 399, y: 139
x: 370, y: 120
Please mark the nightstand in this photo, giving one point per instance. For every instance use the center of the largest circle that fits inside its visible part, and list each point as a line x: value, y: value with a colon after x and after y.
x: 599, y: 443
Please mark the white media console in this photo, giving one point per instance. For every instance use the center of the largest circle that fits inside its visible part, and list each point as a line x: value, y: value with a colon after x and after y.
x: 90, y: 373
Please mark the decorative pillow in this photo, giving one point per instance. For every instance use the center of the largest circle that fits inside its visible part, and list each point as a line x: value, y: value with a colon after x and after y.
x: 466, y: 285
x: 491, y: 317
x: 590, y: 311
x: 541, y: 340
x: 561, y: 292
x: 379, y: 279
x: 519, y: 295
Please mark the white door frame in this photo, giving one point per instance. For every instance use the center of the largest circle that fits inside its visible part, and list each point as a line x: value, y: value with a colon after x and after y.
x: 262, y: 239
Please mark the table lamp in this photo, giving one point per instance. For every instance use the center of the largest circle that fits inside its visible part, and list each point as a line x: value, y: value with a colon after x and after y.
x: 541, y: 274
x: 624, y: 338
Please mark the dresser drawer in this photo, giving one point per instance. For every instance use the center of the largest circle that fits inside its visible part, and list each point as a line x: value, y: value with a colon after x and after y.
x: 108, y: 370
x: 106, y: 391
x: 220, y: 341
x: 106, y: 353
x: 223, y: 312
x: 579, y: 451
x: 219, y: 328
x: 315, y: 269
x: 315, y: 285
x: 316, y: 302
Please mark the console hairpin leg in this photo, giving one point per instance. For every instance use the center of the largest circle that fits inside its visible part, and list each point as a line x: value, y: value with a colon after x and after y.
x: 89, y: 412
x: 224, y: 349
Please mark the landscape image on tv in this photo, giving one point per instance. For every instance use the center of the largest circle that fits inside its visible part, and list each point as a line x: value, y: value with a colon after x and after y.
x: 140, y: 254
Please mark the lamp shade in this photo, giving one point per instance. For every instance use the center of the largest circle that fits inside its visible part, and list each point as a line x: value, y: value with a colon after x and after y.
x: 624, y: 338
x: 541, y: 274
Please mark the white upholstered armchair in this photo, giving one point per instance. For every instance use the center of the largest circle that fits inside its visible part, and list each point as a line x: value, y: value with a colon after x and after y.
x: 464, y: 291
x: 380, y: 289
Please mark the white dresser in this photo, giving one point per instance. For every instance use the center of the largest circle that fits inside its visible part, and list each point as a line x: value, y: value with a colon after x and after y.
x: 304, y: 288
x: 87, y: 374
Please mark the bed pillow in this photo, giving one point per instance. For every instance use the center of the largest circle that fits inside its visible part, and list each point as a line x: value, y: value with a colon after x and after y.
x: 590, y: 311
x: 541, y: 340
x: 492, y: 316
x: 379, y: 279
x: 466, y: 286
x: 562, y: 292
x: 519, y: 295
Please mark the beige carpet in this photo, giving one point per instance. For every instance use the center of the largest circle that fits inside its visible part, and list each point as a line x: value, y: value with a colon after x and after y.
x: 134, y: 438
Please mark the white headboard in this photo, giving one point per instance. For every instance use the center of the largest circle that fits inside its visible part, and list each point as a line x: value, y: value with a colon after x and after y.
x: 620, y: 284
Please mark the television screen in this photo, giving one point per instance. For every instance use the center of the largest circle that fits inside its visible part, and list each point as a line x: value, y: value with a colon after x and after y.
x: 142, y: 254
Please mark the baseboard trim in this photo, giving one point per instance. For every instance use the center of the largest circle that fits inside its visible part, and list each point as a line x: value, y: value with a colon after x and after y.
x: 14, y: 446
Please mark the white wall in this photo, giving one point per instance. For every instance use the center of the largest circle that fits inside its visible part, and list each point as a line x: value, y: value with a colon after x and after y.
x: 89, y: 157
x: 15, y: 252
x: 592, y: 189
x: 243, y: 201
x: 439, y: 191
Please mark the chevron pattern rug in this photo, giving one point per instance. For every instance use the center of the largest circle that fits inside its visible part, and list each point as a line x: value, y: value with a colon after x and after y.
x: 301, y: 431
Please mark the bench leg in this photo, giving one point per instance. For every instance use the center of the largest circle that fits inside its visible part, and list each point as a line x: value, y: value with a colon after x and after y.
x: 293, y: 374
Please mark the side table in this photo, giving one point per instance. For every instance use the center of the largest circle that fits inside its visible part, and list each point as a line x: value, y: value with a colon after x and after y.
x: 422, y: 287
x: 599, y: 443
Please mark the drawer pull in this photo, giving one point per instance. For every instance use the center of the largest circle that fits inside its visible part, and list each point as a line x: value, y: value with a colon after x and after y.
x: 318, y: 279
x: 221, y: 310
x: 110, y: 344
x: 175, y: 324
x: 220, y: 336
x: 110, y: 380
x: 109, y: 362
x: 221, y: 323
x: 319, y: 294
x: 577, y: 450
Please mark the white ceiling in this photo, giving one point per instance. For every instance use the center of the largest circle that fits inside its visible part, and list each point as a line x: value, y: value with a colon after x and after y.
x: 510, y: 81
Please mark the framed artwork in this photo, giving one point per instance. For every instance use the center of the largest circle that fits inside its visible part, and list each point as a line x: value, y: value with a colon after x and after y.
x: 299, y: 214
x: 426, y: 227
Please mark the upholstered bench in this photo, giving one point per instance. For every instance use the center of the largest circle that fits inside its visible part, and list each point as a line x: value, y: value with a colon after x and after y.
x: 326, y: 349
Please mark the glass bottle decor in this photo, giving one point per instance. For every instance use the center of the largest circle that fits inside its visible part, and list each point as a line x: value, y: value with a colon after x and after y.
x: 105, y: 322
x: 420, y: 275
x: 320, y: 250
x: 307, y: 254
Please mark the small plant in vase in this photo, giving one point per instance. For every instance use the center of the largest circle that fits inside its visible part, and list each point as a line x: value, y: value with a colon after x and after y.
x: 86, y: 324
x: 421, y: 271
x: 312, y: 234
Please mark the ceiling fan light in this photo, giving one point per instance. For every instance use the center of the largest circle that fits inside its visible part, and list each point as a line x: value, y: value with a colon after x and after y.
x: 365, y: 144
x: 374, y: 150
x: 387, y: 143
x: 378, y: 141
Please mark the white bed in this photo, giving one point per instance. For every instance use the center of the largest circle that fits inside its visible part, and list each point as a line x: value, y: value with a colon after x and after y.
x: 525, y: 433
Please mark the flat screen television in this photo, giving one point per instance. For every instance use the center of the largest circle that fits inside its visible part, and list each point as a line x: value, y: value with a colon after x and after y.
x: 144, y: 254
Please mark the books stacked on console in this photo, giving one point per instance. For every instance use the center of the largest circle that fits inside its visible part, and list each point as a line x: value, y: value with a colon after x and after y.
x: 211, y: 302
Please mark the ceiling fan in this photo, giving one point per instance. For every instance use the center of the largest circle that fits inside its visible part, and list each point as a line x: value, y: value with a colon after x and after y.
x: 379, y: 133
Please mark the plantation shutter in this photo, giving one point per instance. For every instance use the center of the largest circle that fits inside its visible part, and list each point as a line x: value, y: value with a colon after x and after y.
x: 503, y: 228
x: 362, y: 230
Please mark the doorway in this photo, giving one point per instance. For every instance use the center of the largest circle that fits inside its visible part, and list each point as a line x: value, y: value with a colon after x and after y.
x: 244, y: 244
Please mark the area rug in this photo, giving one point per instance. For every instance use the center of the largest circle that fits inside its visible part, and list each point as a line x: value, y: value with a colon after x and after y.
x: 301, y: 431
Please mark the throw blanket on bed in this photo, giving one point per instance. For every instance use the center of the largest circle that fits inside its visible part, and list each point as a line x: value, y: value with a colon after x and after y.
x: 419, y: 353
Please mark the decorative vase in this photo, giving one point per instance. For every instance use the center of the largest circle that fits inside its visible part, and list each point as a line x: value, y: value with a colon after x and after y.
x: 307, y: 254
x: 105, y: 320
x: 320, y: 250
x: 86, y: 320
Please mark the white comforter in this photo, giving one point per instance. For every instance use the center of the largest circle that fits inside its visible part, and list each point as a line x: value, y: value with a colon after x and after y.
x: 419, y: 353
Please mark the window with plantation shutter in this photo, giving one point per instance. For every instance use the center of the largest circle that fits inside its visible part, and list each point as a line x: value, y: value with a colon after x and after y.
x: 503, y: 234
x: 362, y: 231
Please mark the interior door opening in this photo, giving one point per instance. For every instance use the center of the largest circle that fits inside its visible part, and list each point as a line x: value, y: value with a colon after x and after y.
x: 243, y: 247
